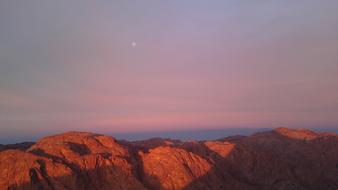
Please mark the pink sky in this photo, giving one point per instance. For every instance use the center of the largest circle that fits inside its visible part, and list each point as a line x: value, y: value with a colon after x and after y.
x: 71, y: 65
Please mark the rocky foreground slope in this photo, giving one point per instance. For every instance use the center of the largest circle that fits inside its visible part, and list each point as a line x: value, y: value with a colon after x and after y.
x: 282, y: 159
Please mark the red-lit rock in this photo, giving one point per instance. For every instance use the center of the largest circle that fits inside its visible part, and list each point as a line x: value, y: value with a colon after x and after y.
x: 282, y: 159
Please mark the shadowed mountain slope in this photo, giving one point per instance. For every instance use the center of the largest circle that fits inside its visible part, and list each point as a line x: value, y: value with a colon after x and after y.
x: 282, y: 159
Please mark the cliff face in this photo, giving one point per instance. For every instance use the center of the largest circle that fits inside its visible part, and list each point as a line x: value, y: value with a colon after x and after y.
x: 279, y: 159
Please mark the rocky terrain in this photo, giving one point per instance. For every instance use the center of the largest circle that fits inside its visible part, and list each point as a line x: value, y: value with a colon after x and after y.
x: 282, y: 159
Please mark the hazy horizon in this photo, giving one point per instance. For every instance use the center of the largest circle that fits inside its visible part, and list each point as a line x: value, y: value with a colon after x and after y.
x: 183, y: 134
x: 143, y: 66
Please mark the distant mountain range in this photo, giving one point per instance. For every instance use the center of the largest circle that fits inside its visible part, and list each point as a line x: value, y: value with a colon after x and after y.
x: 280, y: 159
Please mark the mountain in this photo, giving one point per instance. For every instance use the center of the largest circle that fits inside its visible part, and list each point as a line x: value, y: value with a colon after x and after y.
x: 282, y: 159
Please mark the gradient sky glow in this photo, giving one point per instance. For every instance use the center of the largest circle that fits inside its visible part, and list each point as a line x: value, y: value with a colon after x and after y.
x: 71, y: 65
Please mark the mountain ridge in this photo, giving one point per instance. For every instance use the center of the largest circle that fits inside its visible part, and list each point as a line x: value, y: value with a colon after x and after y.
x: 279, y: 159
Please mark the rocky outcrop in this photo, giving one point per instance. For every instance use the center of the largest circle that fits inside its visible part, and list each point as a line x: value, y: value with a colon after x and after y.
x: 72, y: 161
x: 172, y: 168
x: 282, y: 159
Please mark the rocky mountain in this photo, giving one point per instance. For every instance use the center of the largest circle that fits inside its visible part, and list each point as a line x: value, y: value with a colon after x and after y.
x: 282, y: 159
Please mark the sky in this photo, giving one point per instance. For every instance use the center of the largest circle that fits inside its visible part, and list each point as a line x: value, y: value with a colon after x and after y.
x: 160, y: 65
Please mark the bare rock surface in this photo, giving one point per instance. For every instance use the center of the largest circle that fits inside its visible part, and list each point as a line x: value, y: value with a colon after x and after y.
x: 282, y: 159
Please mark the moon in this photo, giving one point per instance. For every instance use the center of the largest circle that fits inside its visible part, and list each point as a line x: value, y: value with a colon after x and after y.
x: 133, y: 44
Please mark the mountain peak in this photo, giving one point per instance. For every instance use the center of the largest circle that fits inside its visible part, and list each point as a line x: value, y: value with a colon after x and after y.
x: 297, y: 133
x: 82, y: 160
